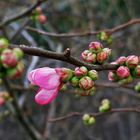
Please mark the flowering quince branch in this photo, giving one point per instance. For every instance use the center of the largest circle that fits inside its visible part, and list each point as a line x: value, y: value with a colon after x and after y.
x: 108, y: 31
x: 21, y: 15
x: 98, y: 114
x: 63, y: 57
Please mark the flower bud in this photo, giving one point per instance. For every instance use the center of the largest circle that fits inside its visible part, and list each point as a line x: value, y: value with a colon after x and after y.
x: 91, y: 58
x: 3, y: 44
x: 137, y: 87
x: 80, y: 71
x: 107, y: 50
x: 95, y: 47
x: 86, y: 117
x: 65, y: 74
x: 86, y: 83
x: 42, y: 18
x: 17, y: 71
x: 132, y: 61
x: 84, y: 54
x: 18, y: 52
x: 105, y: 101
x: 75, y: 81
x: 2, y: 101
x: 91, y: 121
x: 121, y: 60
x: 112, y: 76
x: 102, y: 56
x: 93, y: 74
x: 127, y: 80
x: 39, y: 10
x: 91, y: 91
x: 123, y: 72
x: 8, y: 58
x: 104, y: 108
x: 136, y: 71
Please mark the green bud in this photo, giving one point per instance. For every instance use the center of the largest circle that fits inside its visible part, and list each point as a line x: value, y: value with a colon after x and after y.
x: 137, y: 87
x: 104, y: 108
x: 18, y: 52
x: 4, y: 43
x: 93, y: 74
x: 86, y: 117
x: 91, y: 121
x: 75, y: 81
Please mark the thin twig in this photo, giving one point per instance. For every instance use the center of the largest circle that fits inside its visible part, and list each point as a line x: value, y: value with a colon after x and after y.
x: 21, y: 15
x: 79, y: 114
x: 82, y: 34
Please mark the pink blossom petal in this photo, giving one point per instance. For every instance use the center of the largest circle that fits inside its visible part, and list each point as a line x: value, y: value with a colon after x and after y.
x: 46, y: 96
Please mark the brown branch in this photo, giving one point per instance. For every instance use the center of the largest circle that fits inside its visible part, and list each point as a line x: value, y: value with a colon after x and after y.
x: 79, y: 114
x: 65, y: 56
x: 82, y: 34
x: 21, y: 15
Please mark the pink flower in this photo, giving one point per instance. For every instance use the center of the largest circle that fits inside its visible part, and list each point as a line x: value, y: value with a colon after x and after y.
x: 111, y: 76
x: 123, y: 72
x: 49, y: 82
x: 84, y: 54
x: 91, y: 58
x: 102, y: 56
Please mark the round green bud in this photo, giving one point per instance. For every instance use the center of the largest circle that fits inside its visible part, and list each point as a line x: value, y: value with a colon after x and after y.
x: 91, y: 120
x: 86, y: 117
x: 75, y: 81
x: 104, y: 108
x: 18, y: 52
x: 93, y: 74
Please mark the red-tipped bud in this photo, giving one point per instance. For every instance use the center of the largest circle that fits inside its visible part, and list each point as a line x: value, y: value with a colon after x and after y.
x: 107, y: 50
x: 84, y: 54
x: 93, y: 74
x: 91, y: 58
x: 132, y: 61
x: 42, y: 18
x: 2, y: 101
x: 3, y: 44
x: 95, y: 47
x: 18, y: 52
x: 17, y: 71
x: 123, y: 72
x: 65, y: 74
x: 80, y: 71
x: 8, y: 58
x: 86, y: 83
x: 102, y: 56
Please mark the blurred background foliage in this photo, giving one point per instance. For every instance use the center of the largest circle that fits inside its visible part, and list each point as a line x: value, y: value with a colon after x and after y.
x: 65, y: 16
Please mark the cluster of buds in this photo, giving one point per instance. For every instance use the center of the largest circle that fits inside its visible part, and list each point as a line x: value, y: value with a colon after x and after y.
x: 83, y: 80
x: 103, y: 36
x: 10, y: 60
x: 88, y: 120
x: 39, y: 16
x: 96, y: 54
x: 4, y: 96
x: 105, y: 106
x: 128, y: 69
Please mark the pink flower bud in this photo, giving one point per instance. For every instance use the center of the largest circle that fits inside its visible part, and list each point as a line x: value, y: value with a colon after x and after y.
x: 95, y: 47
x: 91, y: 58
x: 39, y: 10
x: 42, y: 18
x: 102, y: 56
x: 17, y: 71
x: 86, y: 83
x: 2, y: 101
x: 93, y: 74
x: 3, y: 44
x: 137, y: 71
x: 80, y: 71
x: 65, y: 74
x: 132, y: 61
x: 8, y: 58
x: 111, y: 76
x: 121, y: 60
x: 123, y: 72
x: 84, y: 54
x: 107, y: 50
